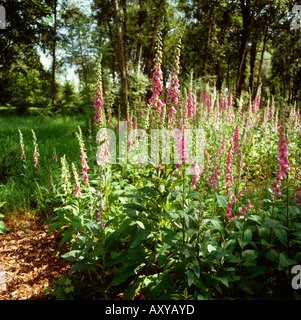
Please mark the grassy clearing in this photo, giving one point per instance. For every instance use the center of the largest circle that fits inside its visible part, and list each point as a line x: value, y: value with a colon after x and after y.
x: 20, y: 192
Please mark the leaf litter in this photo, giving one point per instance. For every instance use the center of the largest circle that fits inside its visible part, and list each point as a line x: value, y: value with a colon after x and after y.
x: 28, y: 264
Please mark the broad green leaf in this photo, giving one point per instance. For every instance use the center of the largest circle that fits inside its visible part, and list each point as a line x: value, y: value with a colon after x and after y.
x: 136, y: 206
x: 190, y: 277
x: 211, y: 248
x: 93, y: 226
x: 216, y: 225
x: 284, y: 261
x: 271, y: 223
x: 74, y: 255
x: 122, y: 274
x: 222, y: 200
x: 140, y: 224
x: 250, y: 254
x: 165, y: 281
x: 132, y: 289
x: 151, y: 192
x: 281, y: 235
x: 3, y: 227
x: 223, y: 280
x: 193, y: 194
x: 141, y: 235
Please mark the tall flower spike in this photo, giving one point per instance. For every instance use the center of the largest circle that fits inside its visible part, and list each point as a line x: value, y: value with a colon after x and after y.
x: 98, y: 103
x: 83, y: 155
x: 282, y: 158
x: 77, y: 183
x: 35, y: 145
x: 21, y: 145
x: 65, y: 175
x: 157, y: 85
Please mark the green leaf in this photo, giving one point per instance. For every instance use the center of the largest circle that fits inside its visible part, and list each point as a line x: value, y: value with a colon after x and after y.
x: 222, y: 200
x: 250, y: 254
x: 281, y: 235
x: 216, y: 225
x: 151, y: 192
x: 137, y: 195
x: 122, y: 274
x: 271, y: 223
x: 140, y: 224
x: 284, y: 261
x: 135, y: 206
x: 165, y: 281
x: 93, y: 226
x: 74, y: 255
x: 211, y: 248
x: 141, y: 235
x: 3, y: 227
x: 247, y: 238
x: 190, y: 277
x: 223, y: 280
x: 193, y: 194
x: 133, y: 288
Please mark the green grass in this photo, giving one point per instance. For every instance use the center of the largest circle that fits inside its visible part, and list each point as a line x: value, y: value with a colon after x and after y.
x: 24, y: 190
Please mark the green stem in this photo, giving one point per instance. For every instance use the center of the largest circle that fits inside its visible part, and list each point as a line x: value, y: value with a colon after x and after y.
x: 183, y: 199
x: 287, y: 217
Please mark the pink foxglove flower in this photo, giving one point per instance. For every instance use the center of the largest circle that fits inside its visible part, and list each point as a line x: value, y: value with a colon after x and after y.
x: 243, y: 211
x: 282, y: 158
x: 228, y: 213
x: 249, y: 205
x: 196, y: 171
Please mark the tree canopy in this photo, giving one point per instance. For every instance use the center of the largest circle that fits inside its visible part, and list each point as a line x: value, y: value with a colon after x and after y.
x: 236, y: 45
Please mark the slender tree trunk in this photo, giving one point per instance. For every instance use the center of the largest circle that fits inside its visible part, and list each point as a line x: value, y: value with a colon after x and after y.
x: 252, y: 66
x: 149, y: 61
x: 245, y: 10
x: 141, y: 20
x: 125, y: 36
x: 219, y: 80
x: 122, y: 66
x: 289, y: 83
x: 53, y: 88
x: 212, y: 16
x: 262, y: 56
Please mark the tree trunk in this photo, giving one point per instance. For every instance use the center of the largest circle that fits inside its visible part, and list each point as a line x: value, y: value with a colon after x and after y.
x: 53, y: 88
x: 212, y: 16
x: 219, y: 80
x: 149, y: 61
x: 245, y: 10
x: 252, y: 66
x: 142, y: 15
x: 122, y: 66
x: 125, y: 36
x: 262, y: 55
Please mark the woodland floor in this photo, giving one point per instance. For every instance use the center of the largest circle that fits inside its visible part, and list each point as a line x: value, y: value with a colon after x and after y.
x: 27, y: 260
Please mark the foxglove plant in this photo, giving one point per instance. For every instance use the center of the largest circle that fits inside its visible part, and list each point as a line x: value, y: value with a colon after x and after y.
x: 65, y: 175
x: 157, y: 78
x: 83, y: 155
x: 282, y: 158
x: 35, y: 145
x: 76, y: 191
x: 21, y: 145
x: 98, y: 103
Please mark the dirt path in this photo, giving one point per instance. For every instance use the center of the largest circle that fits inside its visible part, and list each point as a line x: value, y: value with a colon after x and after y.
x: 27, y: 260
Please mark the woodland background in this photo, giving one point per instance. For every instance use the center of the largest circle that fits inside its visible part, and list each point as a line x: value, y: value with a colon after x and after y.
x: 234, y: 45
